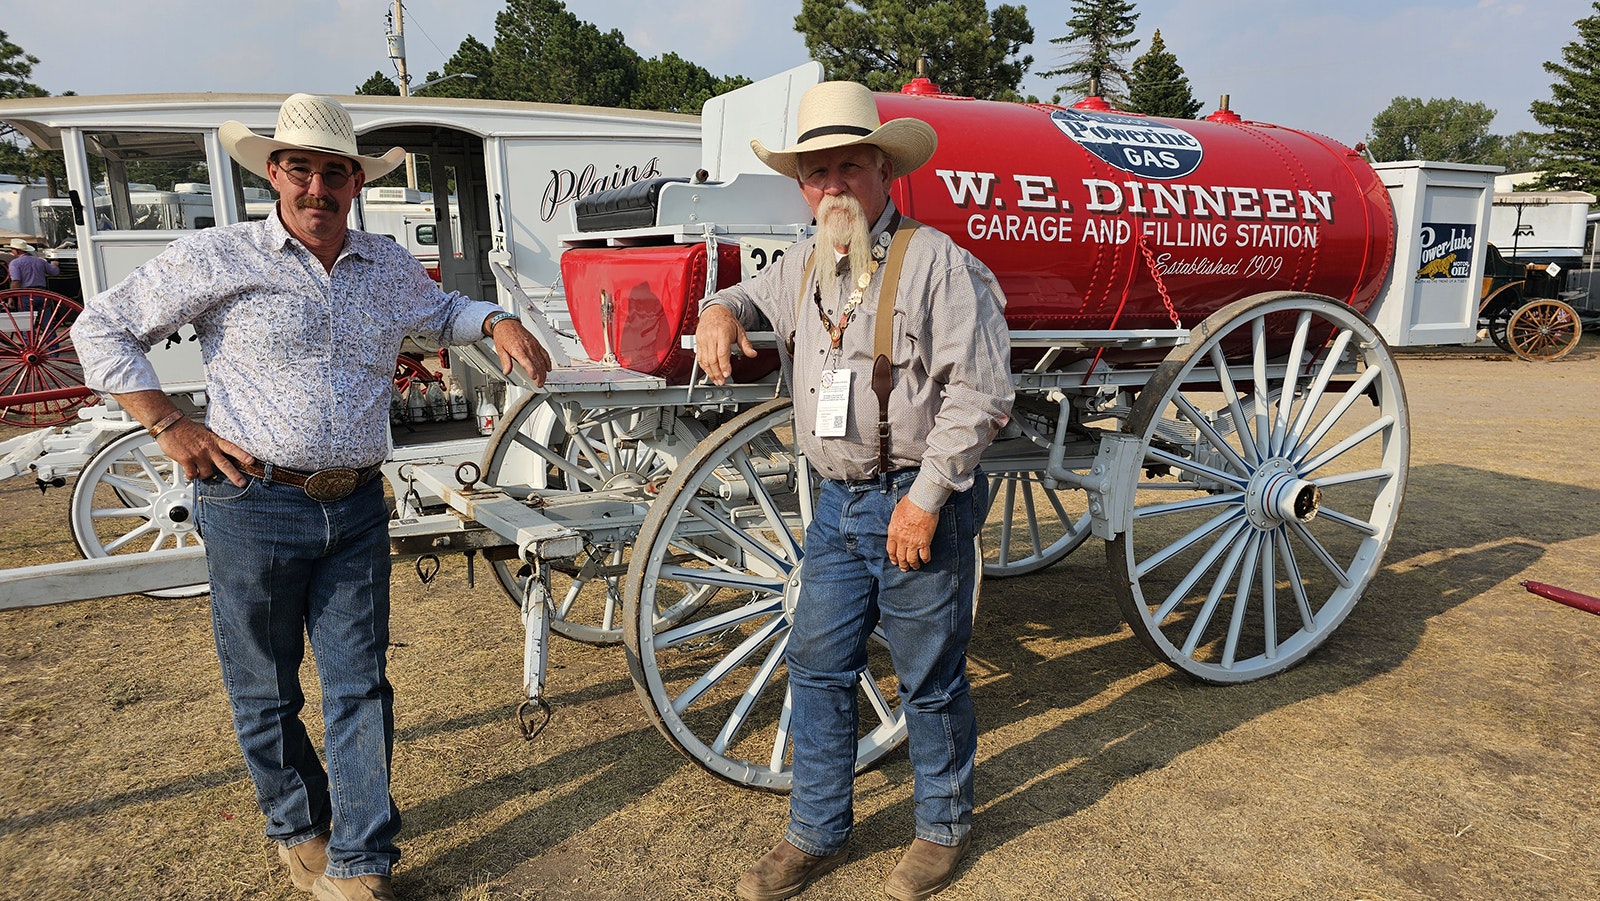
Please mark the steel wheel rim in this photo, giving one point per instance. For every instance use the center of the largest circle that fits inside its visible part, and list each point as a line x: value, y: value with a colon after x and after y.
x: 739, y: 705
x: 1185, y: 558
x: 1029, y: 525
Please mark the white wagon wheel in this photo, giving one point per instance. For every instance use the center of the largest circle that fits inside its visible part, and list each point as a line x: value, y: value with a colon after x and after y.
x: 130, y: 498
x: 709, y: 597
x: 1267, y: 492
x: 544, y: 445
x: 1029, y: 524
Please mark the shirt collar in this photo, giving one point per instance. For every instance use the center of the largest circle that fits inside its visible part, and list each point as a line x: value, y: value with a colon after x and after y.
x: 278, y: 237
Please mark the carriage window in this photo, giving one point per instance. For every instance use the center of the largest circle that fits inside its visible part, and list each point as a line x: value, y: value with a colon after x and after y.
x: 150, y: 180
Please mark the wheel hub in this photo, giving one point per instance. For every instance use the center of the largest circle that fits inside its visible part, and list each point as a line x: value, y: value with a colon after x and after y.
x: 791, y: 593
x: 1278, y: 495
x: 173, y: 510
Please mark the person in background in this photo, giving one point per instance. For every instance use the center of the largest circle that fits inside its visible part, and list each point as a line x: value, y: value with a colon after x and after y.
x: 894, y: 536
x: 300, y: 320
x: 26, y: 270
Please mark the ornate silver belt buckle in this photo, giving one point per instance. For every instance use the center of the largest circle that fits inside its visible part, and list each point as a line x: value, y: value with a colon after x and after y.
x: 329, y: 485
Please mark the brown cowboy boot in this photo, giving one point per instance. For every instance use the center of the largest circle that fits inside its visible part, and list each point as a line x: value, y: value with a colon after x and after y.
x: 784, y: 872
x: 925, y: 869
x: 360, y: 888
x: 306, y: 861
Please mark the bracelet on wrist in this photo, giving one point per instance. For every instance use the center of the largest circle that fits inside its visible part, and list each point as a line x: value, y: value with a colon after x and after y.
x: 166, y: 423
x: 496, y: 319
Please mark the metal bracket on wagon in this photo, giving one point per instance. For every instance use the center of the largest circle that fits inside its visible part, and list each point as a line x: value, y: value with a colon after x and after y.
x: 1111, y: 483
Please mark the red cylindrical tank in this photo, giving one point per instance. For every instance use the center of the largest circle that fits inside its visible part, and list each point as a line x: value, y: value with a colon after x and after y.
x: 1077, y: 210
x: 1085, y: 215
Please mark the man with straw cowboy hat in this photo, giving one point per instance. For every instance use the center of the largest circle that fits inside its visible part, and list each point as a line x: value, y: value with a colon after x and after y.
x: 299, y: 320
x: 900, y: 378
x: 26, y: 270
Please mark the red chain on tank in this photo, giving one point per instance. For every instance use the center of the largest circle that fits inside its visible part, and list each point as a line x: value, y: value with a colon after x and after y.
x: 1166, y: 299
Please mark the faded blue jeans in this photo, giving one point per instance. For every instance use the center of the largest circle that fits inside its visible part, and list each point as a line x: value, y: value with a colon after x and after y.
x: 284, y: 567
x: 848, y: 587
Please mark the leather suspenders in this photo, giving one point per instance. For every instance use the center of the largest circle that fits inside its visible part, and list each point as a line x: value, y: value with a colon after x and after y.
x: 883, y: 328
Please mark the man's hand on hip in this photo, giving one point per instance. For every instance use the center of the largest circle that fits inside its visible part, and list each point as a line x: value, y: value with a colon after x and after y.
x: 202, y: 453
x: 911, y: 531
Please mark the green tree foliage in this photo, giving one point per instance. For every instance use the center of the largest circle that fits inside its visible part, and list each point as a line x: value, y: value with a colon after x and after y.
x: 379, y: 85
x: 1449, y: 130
x: 545, y: 54
x: 471, y: 58
x: 672, y: 84
x: 1521, y: 152
x: 1157, y: 85
x: 1094, y: 45
x: 17, y: 156
x: 16, y: 68
x: 970, y: 50
x: 1573, y: 112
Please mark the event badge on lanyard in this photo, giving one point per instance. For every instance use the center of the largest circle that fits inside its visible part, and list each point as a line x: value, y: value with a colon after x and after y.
x: 833, y: 403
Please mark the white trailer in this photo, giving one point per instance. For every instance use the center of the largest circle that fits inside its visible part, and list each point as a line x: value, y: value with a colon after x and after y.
x: 144, y: 169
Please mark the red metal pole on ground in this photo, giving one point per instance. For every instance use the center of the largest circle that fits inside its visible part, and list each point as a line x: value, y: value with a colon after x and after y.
x: 1563, y: 596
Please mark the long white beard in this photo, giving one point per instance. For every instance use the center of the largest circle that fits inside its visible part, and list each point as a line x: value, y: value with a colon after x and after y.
x: 841, y: 222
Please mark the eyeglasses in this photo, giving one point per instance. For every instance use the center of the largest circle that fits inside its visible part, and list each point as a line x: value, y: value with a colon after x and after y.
x: 301, y: 175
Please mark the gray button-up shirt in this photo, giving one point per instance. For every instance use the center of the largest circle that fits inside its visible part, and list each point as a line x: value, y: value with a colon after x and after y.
x: 299, y: 360
x: 952, y: 361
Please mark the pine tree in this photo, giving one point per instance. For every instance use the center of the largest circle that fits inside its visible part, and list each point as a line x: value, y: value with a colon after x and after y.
x: 1573, y: 113
x: 380, y: 85
x: 1157, y: 85
x: 971, y: 50
x: 1095, y: 46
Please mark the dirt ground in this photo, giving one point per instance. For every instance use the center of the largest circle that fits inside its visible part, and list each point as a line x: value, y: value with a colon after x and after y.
x: 1439, y: 746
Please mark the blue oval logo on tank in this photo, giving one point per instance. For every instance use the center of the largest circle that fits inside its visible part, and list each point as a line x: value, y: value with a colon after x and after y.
x: 1144, y: 147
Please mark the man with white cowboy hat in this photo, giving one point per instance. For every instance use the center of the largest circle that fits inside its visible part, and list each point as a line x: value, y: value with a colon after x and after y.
x: 26, y: 270
x: 895, y: 420
x: 299, y: 320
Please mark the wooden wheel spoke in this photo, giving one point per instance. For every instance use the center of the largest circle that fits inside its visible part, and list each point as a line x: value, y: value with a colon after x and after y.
x: 1321, y: 553
x: 1181, y: 591
x: 731, y: 660
x: 1234, y: 514
x: 747, y: 700
x: 1376, y: 427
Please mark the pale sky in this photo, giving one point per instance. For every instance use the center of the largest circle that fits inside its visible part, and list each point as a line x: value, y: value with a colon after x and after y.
x: 1310, y: 64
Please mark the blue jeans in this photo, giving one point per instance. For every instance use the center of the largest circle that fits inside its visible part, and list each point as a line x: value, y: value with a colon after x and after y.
x: 848, y: 587
x: 284, y: 567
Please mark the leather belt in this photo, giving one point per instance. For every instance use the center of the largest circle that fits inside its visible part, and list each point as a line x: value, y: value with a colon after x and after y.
x: 324, y: 486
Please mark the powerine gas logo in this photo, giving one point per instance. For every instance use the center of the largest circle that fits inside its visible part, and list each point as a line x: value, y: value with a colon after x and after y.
x: 1141, y: 146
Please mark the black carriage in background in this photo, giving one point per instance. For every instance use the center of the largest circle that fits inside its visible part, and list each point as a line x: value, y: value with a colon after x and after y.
x: 1526, y: 309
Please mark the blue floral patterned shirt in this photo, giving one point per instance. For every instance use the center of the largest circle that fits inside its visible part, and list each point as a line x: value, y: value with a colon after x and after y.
x: 299, y: 361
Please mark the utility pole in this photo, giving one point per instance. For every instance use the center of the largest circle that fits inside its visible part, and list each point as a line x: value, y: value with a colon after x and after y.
x: 397, y: 52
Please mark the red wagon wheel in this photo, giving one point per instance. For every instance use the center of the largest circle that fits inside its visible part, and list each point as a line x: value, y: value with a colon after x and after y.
x: 41, y: 381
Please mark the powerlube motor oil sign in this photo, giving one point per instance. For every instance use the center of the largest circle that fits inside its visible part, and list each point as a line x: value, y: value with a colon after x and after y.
x: 1446, y: 251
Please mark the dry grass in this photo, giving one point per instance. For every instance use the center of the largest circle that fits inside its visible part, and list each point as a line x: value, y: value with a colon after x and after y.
x: 1439, y: 747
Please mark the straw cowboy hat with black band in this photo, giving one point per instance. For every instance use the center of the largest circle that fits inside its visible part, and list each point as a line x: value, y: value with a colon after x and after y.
x: 843, y: 113
x: 306, y: 122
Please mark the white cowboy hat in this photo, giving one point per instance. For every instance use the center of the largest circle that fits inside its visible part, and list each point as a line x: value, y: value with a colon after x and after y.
x: 842, y: 113
x: 305, y: 122
x: 19, y: 244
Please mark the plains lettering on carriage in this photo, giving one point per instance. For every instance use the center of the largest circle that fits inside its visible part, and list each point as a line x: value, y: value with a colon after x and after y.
x: 566, y: 186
